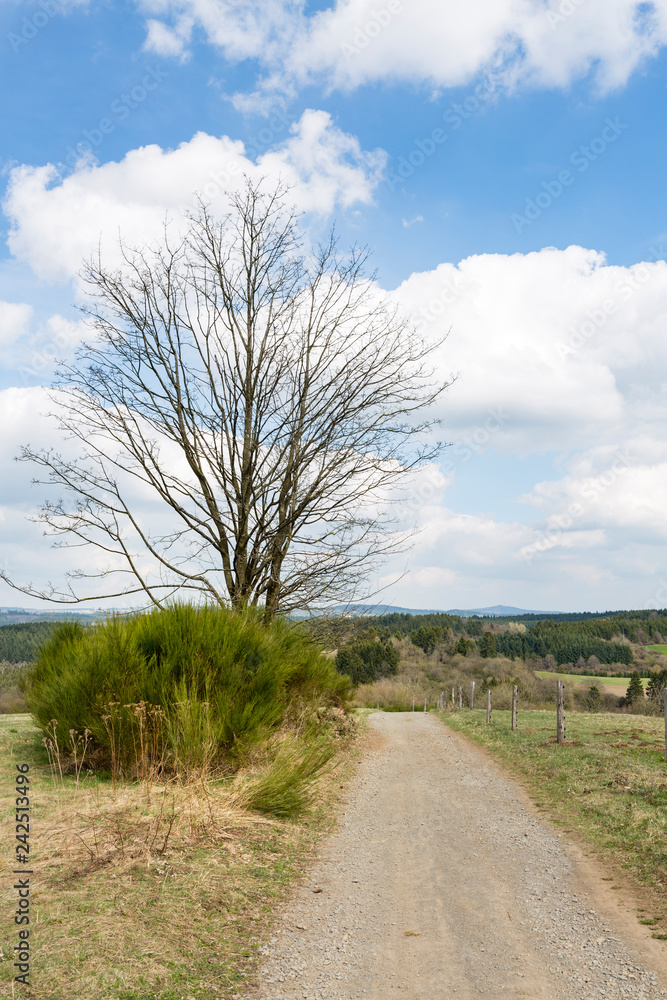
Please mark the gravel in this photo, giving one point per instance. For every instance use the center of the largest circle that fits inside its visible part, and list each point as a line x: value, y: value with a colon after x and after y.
x: 438, y: 882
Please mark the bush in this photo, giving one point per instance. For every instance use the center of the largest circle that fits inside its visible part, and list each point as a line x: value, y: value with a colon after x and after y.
x: 177, y: 689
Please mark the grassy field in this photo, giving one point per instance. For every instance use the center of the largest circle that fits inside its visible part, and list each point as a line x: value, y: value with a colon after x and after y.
x: 658, y: 649
x: 607, y: 783
x: 163, y: 893
x: 610, y: 685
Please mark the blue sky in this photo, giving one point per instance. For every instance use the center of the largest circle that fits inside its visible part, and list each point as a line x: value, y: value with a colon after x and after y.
x: 459, y: 145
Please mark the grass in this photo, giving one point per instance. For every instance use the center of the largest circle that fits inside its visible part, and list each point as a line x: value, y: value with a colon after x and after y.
x: 584, y: 680
x: 150, y: 892
x: 607, y: 783
x: 658, y: 648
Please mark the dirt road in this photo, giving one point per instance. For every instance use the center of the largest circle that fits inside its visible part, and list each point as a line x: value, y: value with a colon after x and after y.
x: 442, y: 882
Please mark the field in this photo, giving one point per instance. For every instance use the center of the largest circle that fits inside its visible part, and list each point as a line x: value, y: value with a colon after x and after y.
x: 610, y: 685
x: 146, y: 893
x: 658, y: 649
x: 607, y: 783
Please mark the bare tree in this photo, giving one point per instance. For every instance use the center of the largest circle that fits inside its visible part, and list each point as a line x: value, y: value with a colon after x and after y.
x: 264, y: 395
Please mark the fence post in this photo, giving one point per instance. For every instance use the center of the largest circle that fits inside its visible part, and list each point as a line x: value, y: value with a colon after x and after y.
x: 515, y: 698
x: 460, y: 698
x: 413, y: 704
x: 666, y: 723
x: 442, y: 700
x: 560, y: 714
x: 424, y: 704
x: 453, y: 700
x: 488, y: 706
x: 472, y: 695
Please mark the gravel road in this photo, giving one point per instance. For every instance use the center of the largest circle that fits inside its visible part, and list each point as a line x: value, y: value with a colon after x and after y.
x: 441, y: 881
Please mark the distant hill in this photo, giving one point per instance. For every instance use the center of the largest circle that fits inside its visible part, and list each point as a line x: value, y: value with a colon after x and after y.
x: 497, y: 611
x: 21, y: 616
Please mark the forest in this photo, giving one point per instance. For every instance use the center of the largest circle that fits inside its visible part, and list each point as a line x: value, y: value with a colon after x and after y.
x: 19, y: 643
x: 567, y: 639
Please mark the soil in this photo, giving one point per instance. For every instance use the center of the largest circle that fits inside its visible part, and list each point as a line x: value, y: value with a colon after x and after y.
x: 442, y: 881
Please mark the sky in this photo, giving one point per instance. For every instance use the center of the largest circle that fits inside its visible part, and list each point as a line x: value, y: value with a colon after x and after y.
x: 504, y: 162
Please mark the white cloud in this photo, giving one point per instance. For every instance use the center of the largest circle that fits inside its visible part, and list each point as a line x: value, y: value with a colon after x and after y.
x: 557, y: 349
x: 440, y: 44
x: 57, y: 220
x: 15, y: 320
x: 169, y: 42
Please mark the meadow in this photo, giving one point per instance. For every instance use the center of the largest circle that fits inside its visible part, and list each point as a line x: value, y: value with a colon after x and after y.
x: 611, y: 685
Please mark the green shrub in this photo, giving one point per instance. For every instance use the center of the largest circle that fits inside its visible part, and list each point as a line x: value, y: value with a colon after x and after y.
x: 285, y: 788
x: 179, y: 689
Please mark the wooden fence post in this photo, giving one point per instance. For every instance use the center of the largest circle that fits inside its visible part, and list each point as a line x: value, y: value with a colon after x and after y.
x: 460, y: 698
x: 560, y: 714
x: 413, y: 704
x: 472, y: 695
x: 453, y: 700
x: 424, y: 704
x: 488, y: 706
x: 515, y: 698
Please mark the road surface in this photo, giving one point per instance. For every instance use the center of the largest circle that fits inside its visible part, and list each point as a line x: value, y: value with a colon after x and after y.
x: 441, y: 881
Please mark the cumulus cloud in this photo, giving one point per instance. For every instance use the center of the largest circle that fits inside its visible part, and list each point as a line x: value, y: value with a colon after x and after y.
x: 58, y: 219
x: 563, y: 349
x: 169, y: 42
x: 353, y: 42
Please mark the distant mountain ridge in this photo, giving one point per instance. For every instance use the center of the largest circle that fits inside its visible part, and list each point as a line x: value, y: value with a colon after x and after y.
x: 497, y: 611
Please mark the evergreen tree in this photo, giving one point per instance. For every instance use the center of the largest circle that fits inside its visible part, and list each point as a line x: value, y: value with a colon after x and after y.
x: 487, y: 644
x: 593, y: 699
x: 635, y: 690
x: 463, y: 646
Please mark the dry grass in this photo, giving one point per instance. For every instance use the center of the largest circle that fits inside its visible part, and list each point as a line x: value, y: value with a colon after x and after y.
x: 161, y: 892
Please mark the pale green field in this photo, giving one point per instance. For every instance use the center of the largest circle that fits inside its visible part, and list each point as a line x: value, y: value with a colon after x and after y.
x: 584, y: 680
x: 658, y: 649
